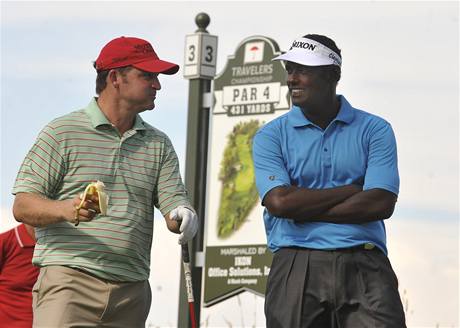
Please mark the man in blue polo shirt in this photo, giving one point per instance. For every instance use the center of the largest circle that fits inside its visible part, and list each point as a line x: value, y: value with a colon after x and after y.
x: 327, y: 175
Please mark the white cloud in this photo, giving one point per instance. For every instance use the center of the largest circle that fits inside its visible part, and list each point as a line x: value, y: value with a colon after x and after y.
x: 49, y: 68
x: 33, y: 12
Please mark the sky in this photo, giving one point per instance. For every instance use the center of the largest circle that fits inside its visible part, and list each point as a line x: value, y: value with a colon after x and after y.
x: 400, y: 61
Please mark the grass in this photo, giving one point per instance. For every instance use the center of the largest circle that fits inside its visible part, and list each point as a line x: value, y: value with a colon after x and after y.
x: 239, y: 193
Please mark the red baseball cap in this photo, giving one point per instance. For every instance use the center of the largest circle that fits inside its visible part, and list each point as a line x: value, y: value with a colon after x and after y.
x: 128, y: 51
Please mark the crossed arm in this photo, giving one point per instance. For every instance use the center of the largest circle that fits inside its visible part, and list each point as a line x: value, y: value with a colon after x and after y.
x: 346, y: 204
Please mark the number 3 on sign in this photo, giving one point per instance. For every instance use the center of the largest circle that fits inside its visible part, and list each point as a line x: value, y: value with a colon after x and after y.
x: 209, y: 55
x: 191, y: 52
x: 191, y: 46
x: 209, y: 46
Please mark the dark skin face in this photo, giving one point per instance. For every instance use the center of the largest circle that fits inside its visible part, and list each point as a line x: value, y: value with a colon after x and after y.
x: 312, y: 88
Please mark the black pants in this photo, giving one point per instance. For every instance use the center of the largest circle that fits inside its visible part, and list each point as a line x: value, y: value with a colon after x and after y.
x: 351, y: 288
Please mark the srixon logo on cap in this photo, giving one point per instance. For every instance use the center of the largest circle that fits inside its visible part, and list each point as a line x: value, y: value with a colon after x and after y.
x: 335, y: 58
x: 143, y: 48
x: 304, y: 45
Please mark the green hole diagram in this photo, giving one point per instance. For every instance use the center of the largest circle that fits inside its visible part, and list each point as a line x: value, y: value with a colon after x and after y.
x: 239, y: 192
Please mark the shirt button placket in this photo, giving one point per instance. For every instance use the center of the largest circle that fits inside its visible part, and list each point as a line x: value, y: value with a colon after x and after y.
x: 326, y: 152
x: 118, y: 156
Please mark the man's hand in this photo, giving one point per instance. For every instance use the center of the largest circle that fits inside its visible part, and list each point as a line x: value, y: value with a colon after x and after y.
x: 84, y: 210
x: 188, y: 223
x: 38, y: 211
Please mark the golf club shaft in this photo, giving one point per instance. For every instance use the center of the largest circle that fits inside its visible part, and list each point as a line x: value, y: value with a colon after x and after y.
x: 188, y: 283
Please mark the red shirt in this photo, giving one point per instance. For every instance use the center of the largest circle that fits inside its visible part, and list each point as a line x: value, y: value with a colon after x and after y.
x: 17, y: 277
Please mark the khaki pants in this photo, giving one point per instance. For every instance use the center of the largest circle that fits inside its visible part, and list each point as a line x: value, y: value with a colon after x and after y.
x: 65, y: 297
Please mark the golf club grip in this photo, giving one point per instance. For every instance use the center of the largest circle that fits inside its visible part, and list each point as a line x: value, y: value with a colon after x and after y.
x: 185, y: 254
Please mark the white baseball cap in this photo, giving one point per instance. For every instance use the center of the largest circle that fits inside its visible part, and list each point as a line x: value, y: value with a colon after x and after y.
x: 309, y: 52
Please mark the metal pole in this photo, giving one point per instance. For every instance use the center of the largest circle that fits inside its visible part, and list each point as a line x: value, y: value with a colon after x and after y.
x: 195, y: 178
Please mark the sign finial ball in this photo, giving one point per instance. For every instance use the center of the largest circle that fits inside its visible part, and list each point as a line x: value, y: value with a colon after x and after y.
x: 202, y: 21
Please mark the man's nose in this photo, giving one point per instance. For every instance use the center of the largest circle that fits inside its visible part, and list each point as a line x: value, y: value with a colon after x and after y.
x: 292, y: 77
x: 156, y: 84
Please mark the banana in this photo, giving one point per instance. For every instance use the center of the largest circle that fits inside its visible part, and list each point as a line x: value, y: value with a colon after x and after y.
x: 99, y: 189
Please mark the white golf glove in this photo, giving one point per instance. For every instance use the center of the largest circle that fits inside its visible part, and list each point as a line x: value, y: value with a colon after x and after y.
x: 189, y: 225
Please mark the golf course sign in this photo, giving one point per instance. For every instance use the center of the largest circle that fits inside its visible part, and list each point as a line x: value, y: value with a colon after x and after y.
x: 250, y: 91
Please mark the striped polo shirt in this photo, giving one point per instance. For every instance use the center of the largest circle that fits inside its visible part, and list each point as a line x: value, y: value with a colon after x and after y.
x: 140, y: 171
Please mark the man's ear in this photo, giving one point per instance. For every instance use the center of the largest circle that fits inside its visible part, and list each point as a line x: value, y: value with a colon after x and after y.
x: 337, y: 72
x: 112, y: 78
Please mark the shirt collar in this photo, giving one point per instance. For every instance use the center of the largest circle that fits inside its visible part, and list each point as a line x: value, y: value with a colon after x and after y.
x: 139, y: 124
x: 97, y: 117
x: 296, y: 117
x: 346, y: 114
x: 23, y: 238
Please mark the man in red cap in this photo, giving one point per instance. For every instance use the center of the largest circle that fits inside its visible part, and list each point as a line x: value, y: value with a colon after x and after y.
x: 94, y: 265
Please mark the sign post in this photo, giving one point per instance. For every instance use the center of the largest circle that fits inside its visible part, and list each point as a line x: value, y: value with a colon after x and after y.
x: 199, y: 68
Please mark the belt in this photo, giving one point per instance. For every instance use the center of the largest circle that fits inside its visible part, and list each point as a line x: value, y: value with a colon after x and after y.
x: 366, y: 246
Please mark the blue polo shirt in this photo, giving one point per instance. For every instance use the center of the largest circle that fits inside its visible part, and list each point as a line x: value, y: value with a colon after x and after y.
x: 357, y: 147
